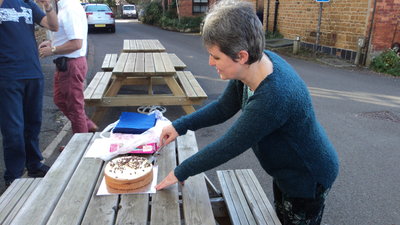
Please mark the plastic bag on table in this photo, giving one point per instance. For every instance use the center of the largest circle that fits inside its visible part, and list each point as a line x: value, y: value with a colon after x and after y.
x: 151, y: 135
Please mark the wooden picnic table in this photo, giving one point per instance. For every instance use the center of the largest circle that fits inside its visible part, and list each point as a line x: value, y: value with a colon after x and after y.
x: 67, y: 194
x: 143, y: 69
x: 143, y: 45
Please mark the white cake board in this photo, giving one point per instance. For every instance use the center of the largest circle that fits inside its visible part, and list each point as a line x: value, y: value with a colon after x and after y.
x: 148, y: 189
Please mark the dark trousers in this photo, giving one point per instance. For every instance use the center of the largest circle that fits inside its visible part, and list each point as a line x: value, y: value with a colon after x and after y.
x: 20, y: 120
x: 300, y: 211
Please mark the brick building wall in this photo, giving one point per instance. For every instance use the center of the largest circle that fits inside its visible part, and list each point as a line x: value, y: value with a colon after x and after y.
x: 386, y: 27
x: 342, y: 22
x: 185, y: 6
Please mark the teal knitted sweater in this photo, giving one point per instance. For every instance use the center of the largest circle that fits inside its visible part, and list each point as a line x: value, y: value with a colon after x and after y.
x: 278, y: 122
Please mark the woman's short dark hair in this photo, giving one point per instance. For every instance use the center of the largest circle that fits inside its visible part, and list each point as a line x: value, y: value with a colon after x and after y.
x: 234, y: 26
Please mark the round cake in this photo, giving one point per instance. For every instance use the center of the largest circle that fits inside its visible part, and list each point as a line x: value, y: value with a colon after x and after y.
x: 128, y: 173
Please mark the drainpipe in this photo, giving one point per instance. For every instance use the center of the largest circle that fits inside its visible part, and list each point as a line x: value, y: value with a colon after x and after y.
x: 266, y: 27
x: 177, y: 10
x: 370, y: 33
x: 395, y: 32
x: 276, y: 15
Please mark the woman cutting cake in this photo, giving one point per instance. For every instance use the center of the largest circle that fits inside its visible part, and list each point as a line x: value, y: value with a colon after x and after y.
x: 277, y: 119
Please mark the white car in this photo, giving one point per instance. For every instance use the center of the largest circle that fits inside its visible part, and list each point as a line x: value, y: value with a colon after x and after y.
x: 129, y: 11
x: 100, y: 16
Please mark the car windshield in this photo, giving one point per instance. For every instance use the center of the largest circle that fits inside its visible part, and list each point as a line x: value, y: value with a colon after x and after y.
x: 97, y: 8
x: 130, y: 7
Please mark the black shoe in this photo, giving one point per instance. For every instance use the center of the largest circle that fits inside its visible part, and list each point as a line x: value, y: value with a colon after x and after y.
x: 41, y: 172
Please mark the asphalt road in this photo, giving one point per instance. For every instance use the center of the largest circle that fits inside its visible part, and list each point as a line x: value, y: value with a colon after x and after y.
x: 359, y: 109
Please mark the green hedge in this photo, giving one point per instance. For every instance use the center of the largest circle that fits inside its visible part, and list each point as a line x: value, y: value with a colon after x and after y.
x: 387, y: 62
x: 153, y: 15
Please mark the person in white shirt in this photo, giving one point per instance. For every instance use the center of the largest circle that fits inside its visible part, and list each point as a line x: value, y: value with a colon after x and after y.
x: 70, y: 44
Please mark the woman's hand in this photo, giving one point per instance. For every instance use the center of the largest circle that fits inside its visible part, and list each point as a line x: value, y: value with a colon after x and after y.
x: 168, y: 134
x: 169, y: 180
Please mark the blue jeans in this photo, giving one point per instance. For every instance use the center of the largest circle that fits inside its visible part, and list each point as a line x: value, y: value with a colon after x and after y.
x: 20, y: 120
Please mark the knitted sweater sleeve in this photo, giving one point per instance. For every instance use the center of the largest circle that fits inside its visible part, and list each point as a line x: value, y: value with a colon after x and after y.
x: 218, y: 111
x: 254, y: 123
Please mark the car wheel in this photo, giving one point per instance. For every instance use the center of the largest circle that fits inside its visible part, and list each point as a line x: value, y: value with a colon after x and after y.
x: 112, y: 30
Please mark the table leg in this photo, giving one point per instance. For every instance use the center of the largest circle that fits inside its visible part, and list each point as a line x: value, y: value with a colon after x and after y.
x: 150, y: 85
x: 98, y: 114
x: 115, y: 86
x: 188, y: 109
x: 177, y: 90
x: 113, y: 90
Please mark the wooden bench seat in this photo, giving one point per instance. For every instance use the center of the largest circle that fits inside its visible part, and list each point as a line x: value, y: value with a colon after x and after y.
x: 177, y: 62
x: 109, y: 62
x: 191, y: 87
x: 15, y: 196
x: 51, y: 190
x: 245, y: 199
x: 97, y: 87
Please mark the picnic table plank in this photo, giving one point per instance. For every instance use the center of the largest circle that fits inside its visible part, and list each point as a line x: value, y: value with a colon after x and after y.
x: 40, y: 205
x: 228, y: 197
x: 178, y: 64
x: 143, y: 45
x: 242, y: 214
x: 72, y: 205
x: 10, y: 192
x: 252, y: 197
x: 102, y: 208
x: 169, y: 67
x: 130, y: 63
x: 113, y: 60
x: 140, y: 46
x: 149, y: 63
x: 119, y: 67
x: 93, y: 85
x: 133, y: 209
x: 165, y: 205
x: 195, y: 85
x: 159, y: 46
x: 126, y: 45
x: 109, y: 62
x: 102, y: 86
x: 186, y: 84
x: 11, y: 198
x: 196, y: 205
x: 139, y: 64
x: 21, y: 201
x: 133, y: 44
x: 151, y: 44
x: 262, y: 210
x: 106, y: 61
x: 158, y: 63
x: 146, y: 44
